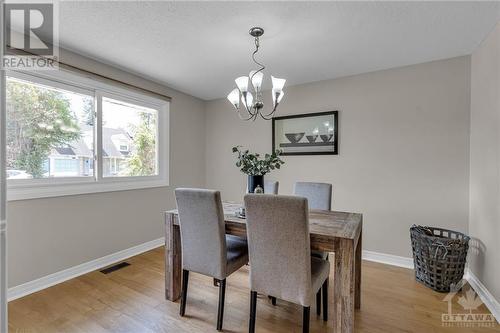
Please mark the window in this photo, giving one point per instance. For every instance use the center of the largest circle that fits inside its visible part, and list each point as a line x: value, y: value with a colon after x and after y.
x: 46, y: 123
x: 68, y: 135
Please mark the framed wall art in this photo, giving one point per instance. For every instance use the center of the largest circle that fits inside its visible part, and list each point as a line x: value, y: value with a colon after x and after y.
x: 307, y: 134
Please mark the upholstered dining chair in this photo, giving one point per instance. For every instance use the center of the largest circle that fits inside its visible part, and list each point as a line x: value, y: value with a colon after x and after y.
x: 206, y: 249
x: 319, y: 196
x: 281, y: 264
x: 271, y: 186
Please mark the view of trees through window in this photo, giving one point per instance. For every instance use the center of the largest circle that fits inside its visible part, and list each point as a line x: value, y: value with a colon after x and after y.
x: 43, y: 125
x: 50, y: 133
x: 129, y: 139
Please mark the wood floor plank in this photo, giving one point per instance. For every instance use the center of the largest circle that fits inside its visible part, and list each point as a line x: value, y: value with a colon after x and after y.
x: 132, y: 300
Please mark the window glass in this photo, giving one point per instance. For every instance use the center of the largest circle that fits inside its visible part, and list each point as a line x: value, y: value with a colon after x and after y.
x: 71, y: 167
x: 49, y: 131
x: 129, y: 139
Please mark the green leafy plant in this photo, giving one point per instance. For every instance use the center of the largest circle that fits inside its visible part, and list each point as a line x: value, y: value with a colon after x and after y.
x: 252, y: 165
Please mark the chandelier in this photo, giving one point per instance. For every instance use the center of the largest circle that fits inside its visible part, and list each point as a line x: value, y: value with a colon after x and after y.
x: 253, y: 102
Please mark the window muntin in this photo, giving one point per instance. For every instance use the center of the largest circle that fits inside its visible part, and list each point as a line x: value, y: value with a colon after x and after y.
x: 45, y: 123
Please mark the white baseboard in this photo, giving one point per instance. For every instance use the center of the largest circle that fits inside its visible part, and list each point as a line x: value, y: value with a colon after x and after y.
x: 388, y: 259
x: 70, y: 273
x: 487, y: 298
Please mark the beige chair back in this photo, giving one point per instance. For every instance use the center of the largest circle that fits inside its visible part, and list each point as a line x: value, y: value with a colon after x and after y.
x: 319, y: 195
x: 279, y: 246
x: 201, y: 219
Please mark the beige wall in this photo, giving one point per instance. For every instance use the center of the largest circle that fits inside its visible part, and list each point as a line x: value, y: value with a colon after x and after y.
x: 49, y: 235
x: 484, y: 223
x: 404, y: 148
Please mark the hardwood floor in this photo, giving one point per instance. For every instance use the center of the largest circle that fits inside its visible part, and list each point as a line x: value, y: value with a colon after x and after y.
x: 132, y: 300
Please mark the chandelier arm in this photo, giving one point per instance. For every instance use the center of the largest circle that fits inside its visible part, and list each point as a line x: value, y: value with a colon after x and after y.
x: 245, y: 119
x: 255, y: 115
x: 246, y: 106
x: 249, y: 110
x: 270, y: 115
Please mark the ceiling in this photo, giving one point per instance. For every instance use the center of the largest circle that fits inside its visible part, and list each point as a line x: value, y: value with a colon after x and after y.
x: 200, y: 47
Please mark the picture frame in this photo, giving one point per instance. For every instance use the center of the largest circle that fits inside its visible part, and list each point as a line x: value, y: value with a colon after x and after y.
x: 306, y: 134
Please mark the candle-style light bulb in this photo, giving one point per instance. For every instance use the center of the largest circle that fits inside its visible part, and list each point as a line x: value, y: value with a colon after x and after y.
x: 248, y: 100
x: 278, y: 84
x: 277, y: 97
x: 256, y: 78
x: 242, y: 83
x: 234, y: 98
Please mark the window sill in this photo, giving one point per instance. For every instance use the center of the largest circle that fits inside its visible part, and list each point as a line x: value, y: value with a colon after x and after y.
x: 15, y: 193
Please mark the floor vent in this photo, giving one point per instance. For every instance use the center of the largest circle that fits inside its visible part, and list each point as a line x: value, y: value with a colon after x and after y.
x: 113, y: 268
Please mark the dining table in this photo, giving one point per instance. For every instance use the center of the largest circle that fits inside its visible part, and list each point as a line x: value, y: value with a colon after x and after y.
x: 330, y: 231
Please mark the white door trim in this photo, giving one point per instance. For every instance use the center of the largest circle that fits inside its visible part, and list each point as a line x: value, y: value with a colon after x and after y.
x: 3, y: 195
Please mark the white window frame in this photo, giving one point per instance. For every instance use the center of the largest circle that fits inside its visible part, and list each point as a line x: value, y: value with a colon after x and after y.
x: 20, y: 189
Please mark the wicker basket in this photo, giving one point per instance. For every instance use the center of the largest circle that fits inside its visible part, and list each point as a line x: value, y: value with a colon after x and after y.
x: 439, y: 256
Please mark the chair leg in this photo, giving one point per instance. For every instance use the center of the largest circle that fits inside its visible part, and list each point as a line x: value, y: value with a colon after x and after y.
x: 185, y: 279
x: 318, y: 302
x: 222, y: 296
x: 253, y: 311
x: 305, y: 320
x: 325, y: 300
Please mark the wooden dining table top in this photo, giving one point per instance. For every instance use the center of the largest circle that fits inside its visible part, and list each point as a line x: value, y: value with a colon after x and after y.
x: 322, y: 223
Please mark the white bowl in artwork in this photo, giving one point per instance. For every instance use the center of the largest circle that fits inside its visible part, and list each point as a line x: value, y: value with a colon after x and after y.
x: 326, y: 137
x: 294, y: 137
x: 311, y: 138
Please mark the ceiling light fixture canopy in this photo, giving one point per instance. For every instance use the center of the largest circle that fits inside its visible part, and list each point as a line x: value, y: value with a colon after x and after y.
x: 249, y: 88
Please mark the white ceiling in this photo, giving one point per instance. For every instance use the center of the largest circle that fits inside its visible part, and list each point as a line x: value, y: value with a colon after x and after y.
x: 200, y: 47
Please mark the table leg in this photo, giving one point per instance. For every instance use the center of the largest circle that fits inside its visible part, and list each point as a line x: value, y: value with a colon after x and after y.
x: 173, y: 259
x: 343, y: 303
x: 357, y: 290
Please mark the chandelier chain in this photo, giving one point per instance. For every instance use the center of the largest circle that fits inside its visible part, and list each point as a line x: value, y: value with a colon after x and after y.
x: 262, y: 67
